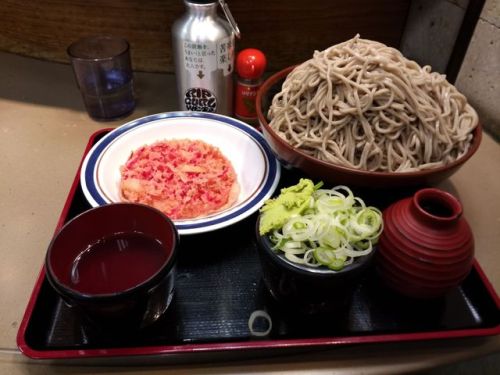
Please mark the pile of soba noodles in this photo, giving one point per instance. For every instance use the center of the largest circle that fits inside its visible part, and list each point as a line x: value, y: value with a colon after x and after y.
x: 362, y: 104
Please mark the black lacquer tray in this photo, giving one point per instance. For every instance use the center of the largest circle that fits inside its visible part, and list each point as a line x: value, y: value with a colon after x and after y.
x: 218, y: 286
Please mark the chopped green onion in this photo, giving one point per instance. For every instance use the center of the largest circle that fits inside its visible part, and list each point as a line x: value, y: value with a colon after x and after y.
x: 336, y: 228
x: 324, y: 256
x: 336, y: 264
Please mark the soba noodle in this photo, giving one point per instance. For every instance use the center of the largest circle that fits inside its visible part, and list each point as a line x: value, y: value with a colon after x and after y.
x: 362, y: 104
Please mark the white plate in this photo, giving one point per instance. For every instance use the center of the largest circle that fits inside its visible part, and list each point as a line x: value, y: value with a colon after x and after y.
x: 257, y: 169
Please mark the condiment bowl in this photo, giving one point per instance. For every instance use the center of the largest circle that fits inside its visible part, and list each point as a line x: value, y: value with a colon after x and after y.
x: 115, y: 264
x: 305, y: 289
x: 337, y: 174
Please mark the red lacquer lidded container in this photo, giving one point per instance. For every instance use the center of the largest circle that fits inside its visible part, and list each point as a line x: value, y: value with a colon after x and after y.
x: 427, y: 246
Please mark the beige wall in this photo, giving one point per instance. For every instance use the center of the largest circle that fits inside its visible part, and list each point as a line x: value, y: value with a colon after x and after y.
x: 431, y: 31
x: 429, y: 37
x: 479, y: 77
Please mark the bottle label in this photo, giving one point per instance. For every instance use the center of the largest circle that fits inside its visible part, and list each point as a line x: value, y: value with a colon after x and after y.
x: 202, y: 58
x: 245, y: 96
x: 200, y: 99
x: 225, y: 55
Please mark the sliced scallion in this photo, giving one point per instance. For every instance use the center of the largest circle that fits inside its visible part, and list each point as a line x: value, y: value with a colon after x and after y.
x: 336, y: 228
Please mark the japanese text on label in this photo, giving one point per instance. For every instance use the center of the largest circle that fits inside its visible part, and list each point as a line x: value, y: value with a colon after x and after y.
x: 202, y: 58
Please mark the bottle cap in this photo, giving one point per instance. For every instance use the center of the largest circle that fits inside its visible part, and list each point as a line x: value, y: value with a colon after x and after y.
x: 202, y: 1
x: 251, y: 63
x: 227, y: 13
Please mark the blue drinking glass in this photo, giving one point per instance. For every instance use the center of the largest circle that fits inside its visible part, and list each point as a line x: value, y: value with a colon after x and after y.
x: 103, y: 72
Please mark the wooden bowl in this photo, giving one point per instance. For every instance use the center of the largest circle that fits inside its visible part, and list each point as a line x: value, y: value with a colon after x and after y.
x: 337, y: 174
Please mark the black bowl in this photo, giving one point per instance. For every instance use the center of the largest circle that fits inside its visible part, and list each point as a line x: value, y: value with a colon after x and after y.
x: 305, y: 289
x: 146, y: 296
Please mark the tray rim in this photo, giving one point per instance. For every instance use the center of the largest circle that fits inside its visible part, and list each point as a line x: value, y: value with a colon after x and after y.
x: 33, y: 353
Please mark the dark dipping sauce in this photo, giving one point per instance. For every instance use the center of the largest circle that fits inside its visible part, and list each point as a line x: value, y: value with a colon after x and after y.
x: 117, y: 263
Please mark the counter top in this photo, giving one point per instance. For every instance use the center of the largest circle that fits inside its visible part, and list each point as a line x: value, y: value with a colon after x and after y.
x: 43, y: 132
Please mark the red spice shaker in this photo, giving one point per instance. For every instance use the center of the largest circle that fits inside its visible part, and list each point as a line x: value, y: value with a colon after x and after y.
x: 250, y: 66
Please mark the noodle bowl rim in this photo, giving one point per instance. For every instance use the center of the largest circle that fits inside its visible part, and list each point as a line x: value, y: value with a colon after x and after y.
x: 283, y: 74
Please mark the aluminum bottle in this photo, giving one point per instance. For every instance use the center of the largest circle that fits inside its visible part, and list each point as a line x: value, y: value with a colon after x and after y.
x: 203, y: 51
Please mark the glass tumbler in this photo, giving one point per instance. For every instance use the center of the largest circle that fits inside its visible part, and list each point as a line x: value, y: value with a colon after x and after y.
x: 103, y: 72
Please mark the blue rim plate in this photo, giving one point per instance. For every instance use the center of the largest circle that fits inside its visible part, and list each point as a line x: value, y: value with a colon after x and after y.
x: 256, y: 167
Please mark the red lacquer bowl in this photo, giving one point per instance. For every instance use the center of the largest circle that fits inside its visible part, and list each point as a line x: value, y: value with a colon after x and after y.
x: 427, y: 246
x: 337, y: 174
x: 108, y: 242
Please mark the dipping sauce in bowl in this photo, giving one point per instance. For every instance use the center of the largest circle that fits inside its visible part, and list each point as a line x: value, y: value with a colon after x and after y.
x: 115, y: 261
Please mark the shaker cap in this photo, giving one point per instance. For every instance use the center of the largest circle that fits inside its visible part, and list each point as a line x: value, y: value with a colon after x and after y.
x: 251, y: 63
x: 202, y: 1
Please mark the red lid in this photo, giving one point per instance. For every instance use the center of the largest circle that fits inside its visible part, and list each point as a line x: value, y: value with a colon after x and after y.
x: 251, y: 63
